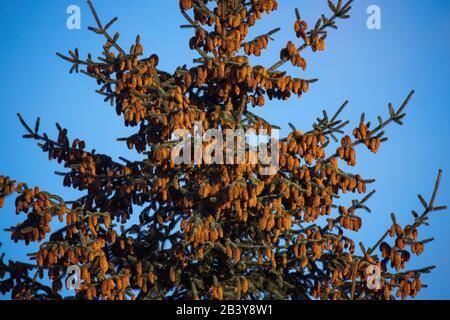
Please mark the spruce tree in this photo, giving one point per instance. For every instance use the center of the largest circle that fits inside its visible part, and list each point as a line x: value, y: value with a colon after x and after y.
x: 211, y: 231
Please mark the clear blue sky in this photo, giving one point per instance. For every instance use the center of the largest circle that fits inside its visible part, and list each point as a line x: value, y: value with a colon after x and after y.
x: 370, y: 68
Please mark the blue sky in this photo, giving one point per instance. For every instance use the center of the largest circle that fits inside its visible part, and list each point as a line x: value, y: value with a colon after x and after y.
x: 368, y: 67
